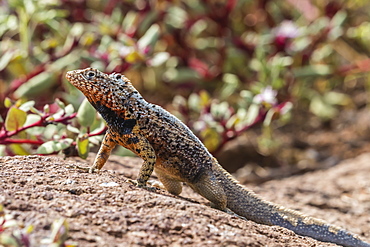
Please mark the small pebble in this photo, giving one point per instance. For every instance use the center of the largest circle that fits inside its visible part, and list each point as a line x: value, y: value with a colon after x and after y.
x: 109, y: 184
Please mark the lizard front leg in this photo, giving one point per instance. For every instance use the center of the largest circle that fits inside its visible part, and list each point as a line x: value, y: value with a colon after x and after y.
x: 105, y: 149
x: 140, y: 146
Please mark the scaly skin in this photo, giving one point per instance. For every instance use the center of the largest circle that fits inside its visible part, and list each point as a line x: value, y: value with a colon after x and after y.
x: 168, y: 147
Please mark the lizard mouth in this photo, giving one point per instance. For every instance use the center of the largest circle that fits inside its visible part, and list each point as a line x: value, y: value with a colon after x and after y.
x: 70, y: 77
x: 73, y: 77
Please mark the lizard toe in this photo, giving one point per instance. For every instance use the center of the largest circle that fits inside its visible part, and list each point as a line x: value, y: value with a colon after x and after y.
x: 141, y: 185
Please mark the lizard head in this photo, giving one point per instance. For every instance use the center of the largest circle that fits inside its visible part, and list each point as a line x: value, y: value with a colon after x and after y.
x: 106, y: 89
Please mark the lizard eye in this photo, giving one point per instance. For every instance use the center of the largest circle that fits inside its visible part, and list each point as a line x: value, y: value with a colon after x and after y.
x: 118, y: 77
x: 90, y: 74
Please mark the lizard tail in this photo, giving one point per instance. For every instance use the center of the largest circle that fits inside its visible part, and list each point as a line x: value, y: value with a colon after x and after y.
x: 246, y: 203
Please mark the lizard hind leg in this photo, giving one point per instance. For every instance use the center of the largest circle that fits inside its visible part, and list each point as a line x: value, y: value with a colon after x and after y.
x: 208, y: 187
x: 172, y: 185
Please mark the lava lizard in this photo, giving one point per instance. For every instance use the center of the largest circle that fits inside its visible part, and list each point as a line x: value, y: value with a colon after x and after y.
x: 169, y: 147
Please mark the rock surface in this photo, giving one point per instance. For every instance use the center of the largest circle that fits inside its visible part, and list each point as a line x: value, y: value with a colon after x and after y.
x: 105, y: 210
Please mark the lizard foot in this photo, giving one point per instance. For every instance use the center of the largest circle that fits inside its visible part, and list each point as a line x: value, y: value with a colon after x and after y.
x: 228, y: 211
x: 86, y: 169
x: 156, y: 184
x: 93, y: 170
x: 148, y: 188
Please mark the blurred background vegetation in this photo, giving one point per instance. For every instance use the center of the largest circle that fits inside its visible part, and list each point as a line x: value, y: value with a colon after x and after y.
x: 220, y: 66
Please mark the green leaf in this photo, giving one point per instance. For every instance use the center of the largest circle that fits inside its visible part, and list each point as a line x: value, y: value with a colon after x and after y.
x: 178, y: 102
x: 54, y: 146
x: 49, y: 131
x: 46, y: 148
x: 19, y: 149
x: 232, y: 121
x: 6, y: 58
x: 230, y: 86
x: 96, y: 140
x: 60, y: 103
x: 211, y: 138
x: 15, y: 119
x: 56, y: 115
x: 220, y: 110
x: 158, y: 59
x: 86, y: 114
x: 335, y: 98
x: 194, y: 102
x: 34, y: 110
x: 27, y: 105
x: 339, y: 18
x: 150, y: 37
x: 46, y: 108
x: 36, y: 85
x: 73, y: 129
x: 8, y: 240
x: 7, y: 102
x: 129, y: 21
x: 97, y: 126
x: 176, y: 17
x: 83, y: 147
x: 146, y: 21
x: 252, y: 114
x: 33, y: 118
x: 322, y: 109
x: 65, y: 61
x: 69, y: 109
x: 180, y: 75
x: 313, y: 70
x: 269, y: 117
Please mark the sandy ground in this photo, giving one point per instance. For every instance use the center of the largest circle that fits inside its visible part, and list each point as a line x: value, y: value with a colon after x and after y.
x: 38, y: 190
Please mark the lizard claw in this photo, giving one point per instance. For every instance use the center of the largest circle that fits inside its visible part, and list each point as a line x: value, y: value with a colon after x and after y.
x: 156, y: 184
x: 86, y: 169
x: 93, y: 170
x: 133, y: 182
x: 144, y: 186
